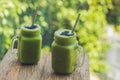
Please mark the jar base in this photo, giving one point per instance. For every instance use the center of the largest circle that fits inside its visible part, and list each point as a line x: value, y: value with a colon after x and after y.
x: 59, y: 73
x: 29, y: 63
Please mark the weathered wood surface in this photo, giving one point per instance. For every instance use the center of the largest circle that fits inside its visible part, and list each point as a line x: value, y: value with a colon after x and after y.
x: 11, y: 69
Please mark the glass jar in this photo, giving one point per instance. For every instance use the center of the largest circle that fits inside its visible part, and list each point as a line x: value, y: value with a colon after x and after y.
x: 65, y: 51
x: 29, y: 44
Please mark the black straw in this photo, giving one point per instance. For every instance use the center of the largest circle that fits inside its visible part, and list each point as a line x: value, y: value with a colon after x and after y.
x: 34, y: 16
x: 75, y: 23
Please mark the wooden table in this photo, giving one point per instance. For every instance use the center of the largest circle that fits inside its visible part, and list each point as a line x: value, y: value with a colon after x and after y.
x: 11, y: 69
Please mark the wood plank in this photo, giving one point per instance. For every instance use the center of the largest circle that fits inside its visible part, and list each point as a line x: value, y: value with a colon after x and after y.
x: 11, y: 69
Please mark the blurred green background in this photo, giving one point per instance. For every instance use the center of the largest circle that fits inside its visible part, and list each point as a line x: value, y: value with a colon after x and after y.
x: 55, y: 14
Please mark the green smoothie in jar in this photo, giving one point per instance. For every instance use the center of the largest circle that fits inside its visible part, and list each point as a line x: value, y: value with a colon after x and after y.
x: 64, y: 52
x: 29, y: 44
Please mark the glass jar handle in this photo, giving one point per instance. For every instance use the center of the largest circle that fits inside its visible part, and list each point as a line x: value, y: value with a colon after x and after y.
x: 14, y: 39
x: 81, y: 50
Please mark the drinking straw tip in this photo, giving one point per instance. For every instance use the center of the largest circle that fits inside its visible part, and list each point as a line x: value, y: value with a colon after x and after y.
x: 76, y: 23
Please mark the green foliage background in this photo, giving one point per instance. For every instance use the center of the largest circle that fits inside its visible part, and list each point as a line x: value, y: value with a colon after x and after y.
x: 55, y: 14
x: 113, y: 15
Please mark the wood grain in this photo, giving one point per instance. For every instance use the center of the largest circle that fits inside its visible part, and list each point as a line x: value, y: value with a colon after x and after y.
x: 11, y: 69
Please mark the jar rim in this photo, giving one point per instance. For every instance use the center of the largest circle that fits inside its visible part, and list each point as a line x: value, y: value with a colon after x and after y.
x: 58, y: 33
x: 27, y: 29
x: 30, y: 32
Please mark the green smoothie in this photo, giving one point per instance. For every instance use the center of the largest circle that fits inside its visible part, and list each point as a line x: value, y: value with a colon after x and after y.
x: 64, y: 52
x: 29, y: 44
